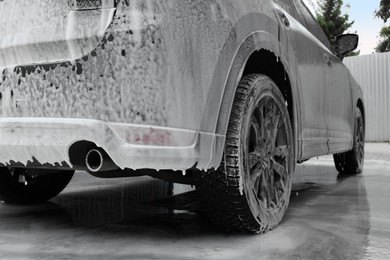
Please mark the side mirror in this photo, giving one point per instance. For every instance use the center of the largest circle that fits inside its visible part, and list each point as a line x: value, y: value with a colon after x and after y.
x: 346, y: 43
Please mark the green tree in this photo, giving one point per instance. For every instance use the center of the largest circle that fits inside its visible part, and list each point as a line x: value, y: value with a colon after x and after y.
x: 384, y: 13
x: 384, y: 45
x: 332, y: 21
x: 384, y: 10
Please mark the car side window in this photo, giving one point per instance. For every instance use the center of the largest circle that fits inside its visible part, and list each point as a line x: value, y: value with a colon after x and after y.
x: 17, y: 17
x: 289, y: 7
x: 310, y: 22
x: 91, y: 4
x: 299, y: 10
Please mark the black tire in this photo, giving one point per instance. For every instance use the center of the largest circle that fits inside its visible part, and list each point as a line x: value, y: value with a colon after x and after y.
x: 24, y: 186
x: 351, y: 162
x: 251, y: 189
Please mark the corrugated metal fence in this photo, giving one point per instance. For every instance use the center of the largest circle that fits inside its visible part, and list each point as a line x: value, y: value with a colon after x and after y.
x: 372, y: 72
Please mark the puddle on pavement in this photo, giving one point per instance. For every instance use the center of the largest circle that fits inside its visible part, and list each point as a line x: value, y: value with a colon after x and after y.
x: 91, y: 202
x: 330, y: 216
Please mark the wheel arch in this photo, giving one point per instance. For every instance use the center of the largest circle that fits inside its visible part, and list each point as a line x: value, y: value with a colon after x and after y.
x: 360, y: 105
x: 259, y: 53
x: 265, y: 62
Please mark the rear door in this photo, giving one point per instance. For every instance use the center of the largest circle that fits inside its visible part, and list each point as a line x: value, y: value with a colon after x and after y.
x: 339, y: 107
x: 311, y: 80
x: 338, y: 95
x: 43, y: 31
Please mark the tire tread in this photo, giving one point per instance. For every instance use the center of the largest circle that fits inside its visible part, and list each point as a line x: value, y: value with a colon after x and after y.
x: 222, y: 196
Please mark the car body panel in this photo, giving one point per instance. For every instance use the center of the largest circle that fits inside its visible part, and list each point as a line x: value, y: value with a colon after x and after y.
x: 170, y: 67
x: 339, y: 105
x: 31, y: 141
x: 44, y: 31
x: 311, y: 81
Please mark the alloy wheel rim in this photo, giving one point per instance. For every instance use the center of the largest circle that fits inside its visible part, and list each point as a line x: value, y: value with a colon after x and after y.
x: 360, y: 139
x: 268, y: 154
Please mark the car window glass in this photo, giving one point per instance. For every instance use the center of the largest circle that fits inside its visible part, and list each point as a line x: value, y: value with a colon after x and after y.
x: 32, y: 14
x: 310, y: 22
x: 90, y: 4
x: 299, y: 10
x: 289, y: 7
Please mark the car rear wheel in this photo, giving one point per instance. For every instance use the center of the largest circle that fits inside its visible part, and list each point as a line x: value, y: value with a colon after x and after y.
x: 23, y: 186
x: 351, y: 162
x: 251, y: 189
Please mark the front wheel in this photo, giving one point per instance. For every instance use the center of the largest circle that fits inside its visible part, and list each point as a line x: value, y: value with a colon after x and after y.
x: 23, y: 186
x: 251, y: 189
x: 351, y: 162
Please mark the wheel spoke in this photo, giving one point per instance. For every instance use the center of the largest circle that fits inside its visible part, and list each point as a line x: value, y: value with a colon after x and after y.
x: 256, y: 183
x: 282, y: 151
x: 271, y: 185
x: 262, y: 190
x: 256, y: 173
x: 282, y: 185
x: 275, y: 127
x: 253, y: 159
x: 258, y: 132
x: 269, y: 188
x: 276, y: 192
x: 260, y: 185
x: 262, y: 121
x: 279, y: 169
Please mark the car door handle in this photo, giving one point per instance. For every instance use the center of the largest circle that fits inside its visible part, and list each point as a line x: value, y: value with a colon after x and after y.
x: 327, y: 59
x: 283, y: 18
x: 82, y: 5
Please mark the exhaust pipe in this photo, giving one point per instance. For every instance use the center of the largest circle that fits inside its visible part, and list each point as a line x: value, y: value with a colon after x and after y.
x: 97, y: 160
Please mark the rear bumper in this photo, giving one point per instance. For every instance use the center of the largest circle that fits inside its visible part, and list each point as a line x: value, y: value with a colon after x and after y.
x: 47, y: 141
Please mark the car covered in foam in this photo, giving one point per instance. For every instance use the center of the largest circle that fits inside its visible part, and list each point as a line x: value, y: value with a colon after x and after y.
x: 227, y: 95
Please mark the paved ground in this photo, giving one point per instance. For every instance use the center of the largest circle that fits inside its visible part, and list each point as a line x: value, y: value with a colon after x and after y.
x: 330, y: 217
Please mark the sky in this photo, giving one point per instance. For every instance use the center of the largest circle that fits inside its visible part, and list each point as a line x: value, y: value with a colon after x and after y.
x: 366, y: 25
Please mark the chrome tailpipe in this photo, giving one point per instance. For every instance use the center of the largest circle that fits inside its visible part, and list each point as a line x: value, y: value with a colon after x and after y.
x: 97, y: 160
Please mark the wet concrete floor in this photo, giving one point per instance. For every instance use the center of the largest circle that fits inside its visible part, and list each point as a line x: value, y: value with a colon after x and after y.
x: 330, y: 217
